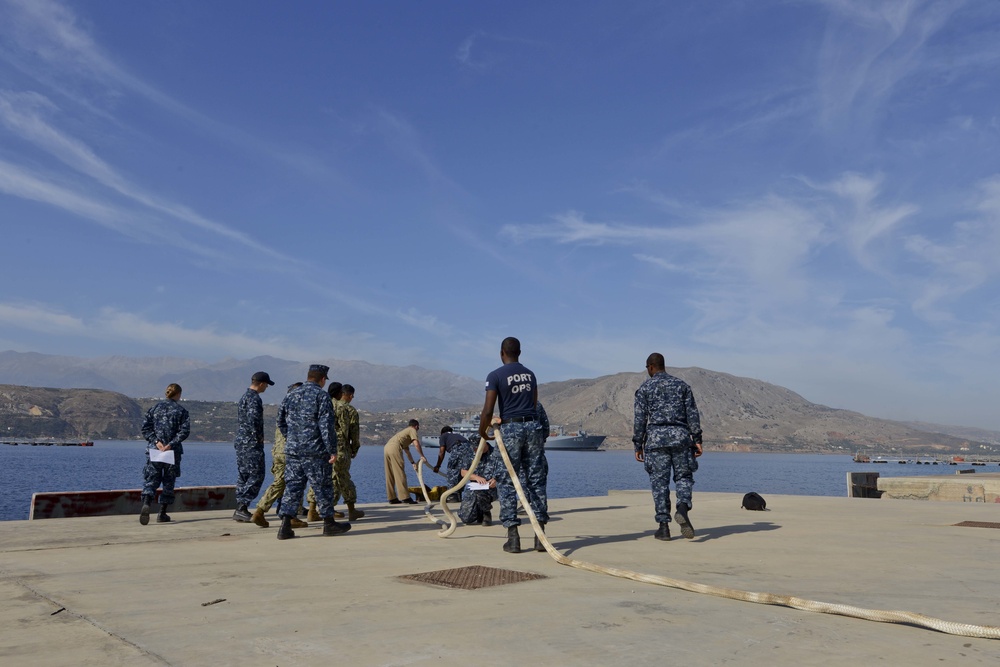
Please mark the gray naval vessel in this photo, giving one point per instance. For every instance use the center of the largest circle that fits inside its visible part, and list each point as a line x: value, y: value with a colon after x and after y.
x: 559, y: 437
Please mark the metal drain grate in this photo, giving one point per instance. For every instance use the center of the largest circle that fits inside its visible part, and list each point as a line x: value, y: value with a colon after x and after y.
x: 978, y: 524
x: 472, y: 577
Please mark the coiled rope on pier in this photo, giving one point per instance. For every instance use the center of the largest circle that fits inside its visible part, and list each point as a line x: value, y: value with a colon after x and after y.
x: 880, y: 616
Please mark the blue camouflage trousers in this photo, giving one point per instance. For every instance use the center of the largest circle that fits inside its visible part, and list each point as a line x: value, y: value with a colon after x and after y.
x: 475, y: 504
x: 658, y: 464
x: 529, y: 491
x: 318, y: 472
x: 250, y: 473
x: 454, y: 477
x: 154, y: 474
x: 526, y: 450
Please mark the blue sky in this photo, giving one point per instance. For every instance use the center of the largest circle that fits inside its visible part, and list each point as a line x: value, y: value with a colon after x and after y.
x: 807, y: 193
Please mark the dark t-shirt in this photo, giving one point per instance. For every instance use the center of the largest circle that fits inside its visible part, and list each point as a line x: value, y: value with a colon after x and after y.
x: 515, y: 386
x: 449, y: 440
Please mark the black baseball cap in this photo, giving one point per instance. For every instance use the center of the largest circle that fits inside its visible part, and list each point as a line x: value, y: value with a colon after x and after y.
x: 261, y: 376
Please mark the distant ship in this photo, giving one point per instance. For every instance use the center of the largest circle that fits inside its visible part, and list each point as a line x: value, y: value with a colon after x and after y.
x: 559, y: 438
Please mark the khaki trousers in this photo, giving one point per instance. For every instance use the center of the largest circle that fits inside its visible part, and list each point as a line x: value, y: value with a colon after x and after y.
x: 395, y: 474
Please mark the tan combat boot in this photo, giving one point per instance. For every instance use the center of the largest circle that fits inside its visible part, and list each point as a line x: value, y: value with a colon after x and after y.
x: 353, y: 514
x: 299, y: 523
x: 338, y: 515
x: 313, y: 514
x: 258, y: 518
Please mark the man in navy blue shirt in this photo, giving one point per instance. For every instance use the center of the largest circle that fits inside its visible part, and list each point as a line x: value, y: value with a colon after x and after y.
x: 514, y: 389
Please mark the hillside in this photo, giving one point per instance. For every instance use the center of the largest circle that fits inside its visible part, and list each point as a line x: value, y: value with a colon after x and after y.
x: 35, y: 412
x: 743, y: 414
x: 738, y: 414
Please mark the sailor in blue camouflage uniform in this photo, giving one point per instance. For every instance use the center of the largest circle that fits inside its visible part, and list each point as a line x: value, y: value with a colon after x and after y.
x: 250, y: 448
x: 307, y: 421
x: 514, y: 389
x: 166, y: 426
x: 477, y: 506
x: 543, y: 429
x: 459, y: 449
x: 667, y: 435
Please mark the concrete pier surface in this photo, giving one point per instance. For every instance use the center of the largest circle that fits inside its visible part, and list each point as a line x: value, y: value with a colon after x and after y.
x: 205, y: 590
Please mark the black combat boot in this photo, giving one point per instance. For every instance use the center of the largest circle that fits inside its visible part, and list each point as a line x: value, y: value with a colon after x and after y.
x: 242, y: 514
x: 487, y: 518
x: 144, y: 512
x: 513, y: 544
x: 163, y: 517
x: 538, y: 543
x: 331, y: 527
x: 352, y: 513
x: 663, y: 532
x: 681, y: 517
x: 286, y: 532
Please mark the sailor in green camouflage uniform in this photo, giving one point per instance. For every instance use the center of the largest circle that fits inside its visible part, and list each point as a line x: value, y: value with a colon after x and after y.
x: 667, y: 435
x: 348, y: 446
x: 346, y: 450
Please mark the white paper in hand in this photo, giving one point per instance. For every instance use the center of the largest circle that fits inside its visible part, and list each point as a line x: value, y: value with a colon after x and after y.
x: 156, y: 456
x: 476, y: 486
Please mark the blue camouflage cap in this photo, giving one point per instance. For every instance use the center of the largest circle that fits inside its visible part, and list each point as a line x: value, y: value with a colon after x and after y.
x: 320, y: 368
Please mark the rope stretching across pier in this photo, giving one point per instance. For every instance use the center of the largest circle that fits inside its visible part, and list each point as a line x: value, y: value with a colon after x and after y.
x: 880, y: 616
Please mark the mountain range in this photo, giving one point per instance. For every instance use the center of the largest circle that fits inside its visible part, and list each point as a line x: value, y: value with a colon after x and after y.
x: 379, y: 387
x: 738, y: 413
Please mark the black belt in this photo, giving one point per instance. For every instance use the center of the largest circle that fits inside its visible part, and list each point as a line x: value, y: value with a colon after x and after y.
x: 518, y: 420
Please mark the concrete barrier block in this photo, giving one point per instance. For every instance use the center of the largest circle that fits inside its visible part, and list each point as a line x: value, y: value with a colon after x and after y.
x: 61, y: 504
x: 982, y: 489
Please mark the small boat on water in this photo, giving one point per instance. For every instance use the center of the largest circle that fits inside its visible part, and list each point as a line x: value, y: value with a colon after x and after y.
x: 559, y: 438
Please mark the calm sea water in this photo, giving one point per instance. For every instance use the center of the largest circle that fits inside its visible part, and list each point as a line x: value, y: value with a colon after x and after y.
x: 118, y: 465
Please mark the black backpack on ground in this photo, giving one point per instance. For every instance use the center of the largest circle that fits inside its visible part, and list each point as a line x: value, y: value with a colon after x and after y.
x: 754, y: 501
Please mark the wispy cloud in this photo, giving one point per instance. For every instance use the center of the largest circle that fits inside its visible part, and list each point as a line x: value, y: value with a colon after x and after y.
x: 862, y: 220
x: 21, y: 114
x: 481, y: 50
x: 424, y: 322
x: 403, y: 139
x: 115, y: 327
x: 464, y: 51
x: 47, y: 40
x: 766, y: 240
x: 19, y: 182
x: 658, y: 262
x: 869, y: 48
x: 33, y: 317
x: 763, y: 267
x: 963, y: 260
